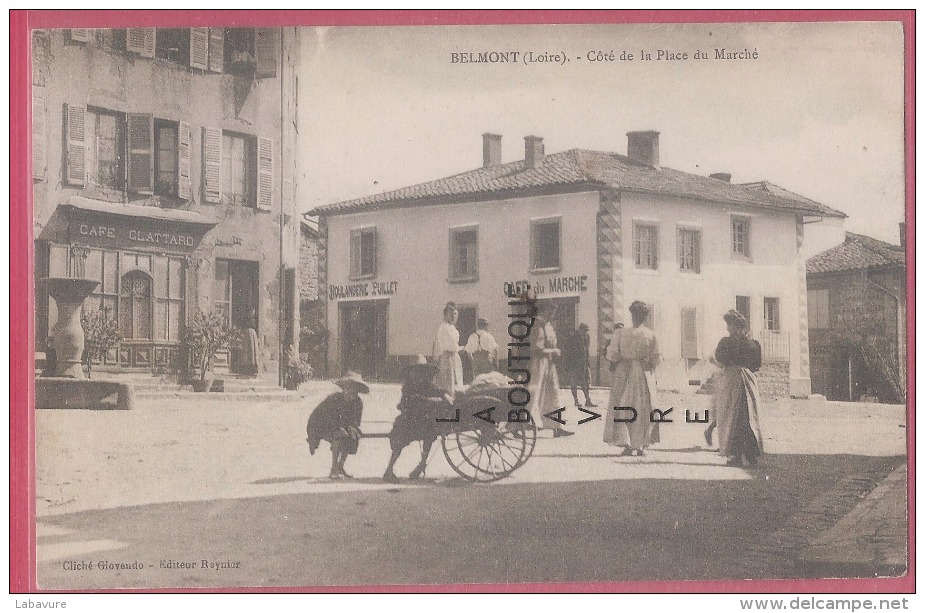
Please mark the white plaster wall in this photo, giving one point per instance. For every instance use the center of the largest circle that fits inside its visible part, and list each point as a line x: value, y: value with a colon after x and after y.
x: 414, y: 251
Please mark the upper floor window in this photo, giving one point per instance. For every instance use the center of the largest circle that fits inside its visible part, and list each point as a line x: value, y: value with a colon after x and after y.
x: 363, y: 253
x: 818, y: 307
x: 741, y: 237
x: 105, y: 162
x: 464, y: 254
x: 173, y: 45
x: 689, y: 250
x: 772, y: 314
x: 645, y: 246
x: 545, y: 244
x: 238, y: 169
x: 166, y: 160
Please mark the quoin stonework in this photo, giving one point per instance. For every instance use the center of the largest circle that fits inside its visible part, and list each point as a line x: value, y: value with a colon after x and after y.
x: 589, y: 230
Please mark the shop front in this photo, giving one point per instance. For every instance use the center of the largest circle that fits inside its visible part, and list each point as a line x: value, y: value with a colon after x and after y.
x: 141, y: 257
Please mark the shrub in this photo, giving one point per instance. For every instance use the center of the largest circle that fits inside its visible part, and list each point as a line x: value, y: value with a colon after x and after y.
x: 101, y: 333
x: 204, y: 336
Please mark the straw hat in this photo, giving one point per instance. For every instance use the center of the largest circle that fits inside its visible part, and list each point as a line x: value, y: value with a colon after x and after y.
x: 353, y: 380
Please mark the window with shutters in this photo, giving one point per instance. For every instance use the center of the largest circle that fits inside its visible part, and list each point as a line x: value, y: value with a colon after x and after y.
x: 689, y: 250
x: 239, y: 173
x: 173, y: 45
x: 464, y: 254
x: 39, y: 135
x: 645, y: 246
x: 363, y: 253
x: 546, y: 244
x: 251, y: 51
x: 690, y: 345
x: 105, y: 159
x: 166, y: 158
x: 818, y: 307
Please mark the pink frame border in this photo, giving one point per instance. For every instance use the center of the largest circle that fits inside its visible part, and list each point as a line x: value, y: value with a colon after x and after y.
x: 22, y: 426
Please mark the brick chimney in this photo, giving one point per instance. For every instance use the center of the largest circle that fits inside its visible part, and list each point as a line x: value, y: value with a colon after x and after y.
x: 902, y: 234
x: 721, y: 176
x: 533, y: 151
x: 642, y: 147
x: 491, y: 150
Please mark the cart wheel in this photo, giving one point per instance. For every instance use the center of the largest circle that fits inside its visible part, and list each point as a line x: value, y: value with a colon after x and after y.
x: 491, y: 452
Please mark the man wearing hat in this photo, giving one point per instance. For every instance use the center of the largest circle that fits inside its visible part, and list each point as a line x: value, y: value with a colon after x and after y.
x: 482, y: 349
x: 576, y: 360
x: 337, y: 420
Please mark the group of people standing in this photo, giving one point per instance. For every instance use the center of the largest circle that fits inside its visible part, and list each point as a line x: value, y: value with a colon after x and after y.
x: 632, y: 354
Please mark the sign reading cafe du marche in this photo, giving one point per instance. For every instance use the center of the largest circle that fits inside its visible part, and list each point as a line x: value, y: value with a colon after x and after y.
x: 112, y: 231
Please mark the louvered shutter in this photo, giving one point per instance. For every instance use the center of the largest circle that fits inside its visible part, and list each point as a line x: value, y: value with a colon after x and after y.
x: 80, y: 35
x: 199, y: 48
x: 212, y: 165
x: 140, y: 153
x: 689, y: 344
x: 217, y: 49
x: 75, y: 120
x: 184, y: 183
x: 38, y: 136
x: 266, y: 53
x: 141, y: 41
x: 264, y: 174
x: 375, y: 247
x: 355, y: 252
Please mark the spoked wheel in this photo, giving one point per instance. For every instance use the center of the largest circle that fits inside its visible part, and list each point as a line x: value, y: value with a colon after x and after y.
x: 489, y: 452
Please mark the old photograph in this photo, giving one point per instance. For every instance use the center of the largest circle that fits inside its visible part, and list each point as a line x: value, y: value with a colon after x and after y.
x: 487, y: 304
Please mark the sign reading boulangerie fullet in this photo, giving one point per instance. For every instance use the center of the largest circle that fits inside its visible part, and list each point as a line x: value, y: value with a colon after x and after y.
x: 115, y: 231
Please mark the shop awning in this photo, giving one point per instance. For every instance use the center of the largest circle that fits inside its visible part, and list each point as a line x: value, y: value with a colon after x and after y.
x: 137, y: 211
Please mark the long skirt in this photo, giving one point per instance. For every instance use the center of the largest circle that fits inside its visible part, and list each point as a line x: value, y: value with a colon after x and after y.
x: 450, y: 376
x: 632, y: 387
x: 736, y: 403
x: 544, y: 393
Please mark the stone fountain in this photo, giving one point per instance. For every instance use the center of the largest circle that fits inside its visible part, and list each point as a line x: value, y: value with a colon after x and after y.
x: 68, y: 388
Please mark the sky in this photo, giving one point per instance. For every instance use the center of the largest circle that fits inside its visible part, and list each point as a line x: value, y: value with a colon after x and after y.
x: 818, y: 112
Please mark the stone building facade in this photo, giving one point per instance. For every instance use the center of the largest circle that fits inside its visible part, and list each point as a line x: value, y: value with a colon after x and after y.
x: 857, y: 320
x: 164, y: 167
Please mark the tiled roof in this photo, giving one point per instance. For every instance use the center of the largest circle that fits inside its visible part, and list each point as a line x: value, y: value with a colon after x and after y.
x: 858, y: 252
x: 777, y: 190
x: 580, y: 169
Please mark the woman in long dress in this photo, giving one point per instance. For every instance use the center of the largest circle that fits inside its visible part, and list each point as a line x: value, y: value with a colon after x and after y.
x: 544, y: 375
x: 446, y: 352
x: 633, y: 355
x: 736, y: 400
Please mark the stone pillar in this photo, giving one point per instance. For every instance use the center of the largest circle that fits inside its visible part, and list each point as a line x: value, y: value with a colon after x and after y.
x: 800, y: 385
x: 323, y: 292
x: 609, y: 274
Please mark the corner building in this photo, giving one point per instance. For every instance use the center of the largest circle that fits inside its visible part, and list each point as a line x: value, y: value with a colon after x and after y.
x: 590, y: 230
x: 164, y: 168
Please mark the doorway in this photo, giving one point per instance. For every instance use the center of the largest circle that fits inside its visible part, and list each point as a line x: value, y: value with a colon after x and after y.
x: 566, y: 319
x: 236, y: 295
x: 363, y: 335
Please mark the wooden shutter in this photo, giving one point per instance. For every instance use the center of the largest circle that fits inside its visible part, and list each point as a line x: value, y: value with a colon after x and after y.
x: 38, y: 136
x: 80, y: 35
x: 689, y: 341
x: 184, y: 183
x: 141, y: 41
x: 199, y: 48
x: 75, y: 120
x: 356, y: 253
x: 264, y: 174
x: 140, y: 153
x: 266, y: 53
x: 212, y: 164
x: 375, y: 248
x: 217, y: 49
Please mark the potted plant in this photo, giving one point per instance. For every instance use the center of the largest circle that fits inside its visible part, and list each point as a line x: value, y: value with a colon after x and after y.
x: 204, y: 336
x: 297, y: 371
x: 101, y: 334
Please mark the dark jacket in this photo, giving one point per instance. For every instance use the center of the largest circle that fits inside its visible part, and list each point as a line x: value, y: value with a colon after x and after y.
x: 739, y: 351
x: 333, y: 413
x: 576, y: 353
